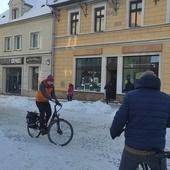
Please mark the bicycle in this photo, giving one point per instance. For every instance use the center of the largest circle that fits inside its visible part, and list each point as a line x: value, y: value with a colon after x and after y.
x: 59, y: 131
x: 160, y: 155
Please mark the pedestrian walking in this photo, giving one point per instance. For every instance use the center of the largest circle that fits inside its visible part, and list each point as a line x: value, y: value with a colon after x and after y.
x: 109, y: 92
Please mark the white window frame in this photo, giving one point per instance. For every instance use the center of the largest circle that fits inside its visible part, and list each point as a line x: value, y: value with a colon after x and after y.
x: 93, y: 15
x: 69, y: 21
x: 168, y: 12
x: 6, y: 44
x: 128, y: 12
x: 15, y: 11
x: 31, y: 40
x: 15, y: 42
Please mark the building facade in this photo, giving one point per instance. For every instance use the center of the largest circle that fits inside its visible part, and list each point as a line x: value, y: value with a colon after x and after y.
x: 26, y: 39
x: 97, y: 42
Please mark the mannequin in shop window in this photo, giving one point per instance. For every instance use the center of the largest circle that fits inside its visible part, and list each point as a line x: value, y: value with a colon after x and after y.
x: 129, y: 86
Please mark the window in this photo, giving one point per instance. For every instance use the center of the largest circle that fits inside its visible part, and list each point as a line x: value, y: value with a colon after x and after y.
x: 34, y: 40
x: 88, y: 74
x: 17, y: 42
x: 99, y: 19
x: 7, y: 43
x: 135, y: 13
x: 15, y: 13
x: 74, y: 23
x: 35, y: 71
x: 134, y: 66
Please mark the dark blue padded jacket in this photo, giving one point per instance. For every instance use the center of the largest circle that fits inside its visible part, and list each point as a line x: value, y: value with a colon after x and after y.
x: 145, y: 114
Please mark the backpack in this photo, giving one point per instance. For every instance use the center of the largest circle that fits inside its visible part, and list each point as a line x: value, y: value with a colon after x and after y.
x: 32, y: 118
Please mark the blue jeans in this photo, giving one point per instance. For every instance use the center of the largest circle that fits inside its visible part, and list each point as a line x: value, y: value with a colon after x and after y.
x: 131, y: 161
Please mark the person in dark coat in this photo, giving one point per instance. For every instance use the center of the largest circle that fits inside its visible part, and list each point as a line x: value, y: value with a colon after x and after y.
x: 44, y: 94
x: 70, y: 92
x: 109, y: 92
x: 144, y: 115
x: 129, y: 86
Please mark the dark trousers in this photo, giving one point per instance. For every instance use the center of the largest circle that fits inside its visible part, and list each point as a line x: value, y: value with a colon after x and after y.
x: 107, y: 99
x: 45, y: 113
x: 131, y: 161
x: 69, y: 98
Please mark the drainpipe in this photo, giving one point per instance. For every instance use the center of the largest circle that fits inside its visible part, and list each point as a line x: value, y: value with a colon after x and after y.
x: 53, y: 38
x: 53, y: 42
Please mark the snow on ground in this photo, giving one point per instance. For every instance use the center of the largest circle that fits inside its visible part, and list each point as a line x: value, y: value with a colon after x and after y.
x: 91, y: 148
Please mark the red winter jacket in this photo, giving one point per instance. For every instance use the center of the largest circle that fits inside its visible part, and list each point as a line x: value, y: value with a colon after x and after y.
x: 70, y: 90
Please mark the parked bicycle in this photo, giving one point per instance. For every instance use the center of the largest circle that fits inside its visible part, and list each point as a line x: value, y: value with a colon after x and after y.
x: 59, y: 131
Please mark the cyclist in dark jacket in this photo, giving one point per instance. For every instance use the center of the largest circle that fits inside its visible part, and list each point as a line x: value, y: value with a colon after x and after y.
x: 145, y: 115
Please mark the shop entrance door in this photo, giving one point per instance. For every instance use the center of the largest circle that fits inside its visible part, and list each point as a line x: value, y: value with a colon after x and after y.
x: 13, y: 80
x: 112, y: 74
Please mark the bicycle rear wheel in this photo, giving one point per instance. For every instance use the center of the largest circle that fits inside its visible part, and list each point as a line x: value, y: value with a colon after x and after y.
x: 60, y: 132
x: 34, y: 132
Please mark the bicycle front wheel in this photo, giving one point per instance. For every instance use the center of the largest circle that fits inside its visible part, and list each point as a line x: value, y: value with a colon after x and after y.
x: 60, y: 132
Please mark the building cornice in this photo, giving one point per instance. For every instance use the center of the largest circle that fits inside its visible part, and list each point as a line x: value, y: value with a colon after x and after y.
x: 26, y: 54
x: 45, y: 16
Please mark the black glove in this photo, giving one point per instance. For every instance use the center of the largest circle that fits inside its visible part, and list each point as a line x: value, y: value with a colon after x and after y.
x: 58, y: 103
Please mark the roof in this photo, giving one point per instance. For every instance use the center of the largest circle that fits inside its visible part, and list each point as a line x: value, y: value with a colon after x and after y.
x: 60, y: 3
x: 39, y: 8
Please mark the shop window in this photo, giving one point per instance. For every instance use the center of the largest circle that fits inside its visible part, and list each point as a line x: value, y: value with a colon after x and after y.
x: 34, y: 40
x: 88, y: 74
x: 7, y: 44
x: 35, y: 71
x: 15, y: 13
x: 17, y: 42
x: 133, y: 67
x: 74, y: 22
x: 135, y: 19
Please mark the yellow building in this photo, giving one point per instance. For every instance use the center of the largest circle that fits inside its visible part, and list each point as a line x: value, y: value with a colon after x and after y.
x: 97, y: 41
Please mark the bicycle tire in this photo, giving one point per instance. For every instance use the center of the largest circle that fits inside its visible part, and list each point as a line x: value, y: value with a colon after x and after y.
x: 143, y: 166
x: 34, y: 132
x: 60, y: 132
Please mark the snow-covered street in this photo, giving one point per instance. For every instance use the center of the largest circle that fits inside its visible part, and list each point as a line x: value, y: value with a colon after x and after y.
x: 91, y: 148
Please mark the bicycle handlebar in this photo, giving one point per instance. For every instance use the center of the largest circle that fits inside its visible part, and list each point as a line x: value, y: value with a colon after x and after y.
x: 55, y: 107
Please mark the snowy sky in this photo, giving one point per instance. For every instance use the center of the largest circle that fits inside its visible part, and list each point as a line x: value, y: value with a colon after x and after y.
x: 3, y: 6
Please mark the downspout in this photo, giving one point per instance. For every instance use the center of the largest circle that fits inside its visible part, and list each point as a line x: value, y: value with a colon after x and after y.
x: 53, y: 38
x: 53, y: 42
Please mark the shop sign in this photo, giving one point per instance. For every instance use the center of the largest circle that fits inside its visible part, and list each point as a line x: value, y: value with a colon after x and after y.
x: 33, y: 60
x: 8, y: 61
x: 142, y: 48
x: 86, y: 52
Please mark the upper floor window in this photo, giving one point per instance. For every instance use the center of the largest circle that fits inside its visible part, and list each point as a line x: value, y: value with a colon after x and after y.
x: 34, y: 40
x: 74, y: 23
x: 135, y: 13
x: 17, y: 42
x: 15, y: 13
x: 99, y: 19
x: 7, y: 44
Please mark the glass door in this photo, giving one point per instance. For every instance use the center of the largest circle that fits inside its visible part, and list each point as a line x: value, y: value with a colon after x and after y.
x: 13, y: 80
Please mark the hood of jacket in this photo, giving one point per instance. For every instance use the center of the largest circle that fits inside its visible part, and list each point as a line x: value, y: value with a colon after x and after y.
x: 148, y: 82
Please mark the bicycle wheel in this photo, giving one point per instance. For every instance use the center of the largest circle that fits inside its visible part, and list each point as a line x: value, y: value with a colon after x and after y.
x: 143, y: 166
x: 60, y: 132
x: 34, y: 132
